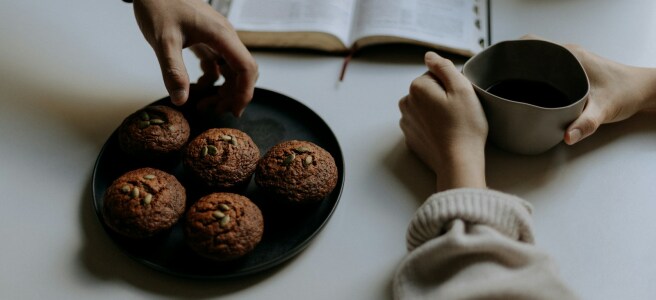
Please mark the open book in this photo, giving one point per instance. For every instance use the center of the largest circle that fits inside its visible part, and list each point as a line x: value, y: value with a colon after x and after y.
x: 456, y: 26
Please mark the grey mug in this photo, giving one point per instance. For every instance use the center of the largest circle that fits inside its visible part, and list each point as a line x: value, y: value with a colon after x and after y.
x: 522, y: 127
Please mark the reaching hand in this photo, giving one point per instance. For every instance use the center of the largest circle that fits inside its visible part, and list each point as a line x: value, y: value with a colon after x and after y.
x: 172, y: 25
x: 444, y: 124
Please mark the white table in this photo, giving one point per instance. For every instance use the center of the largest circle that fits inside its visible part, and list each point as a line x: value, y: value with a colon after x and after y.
x: 72, y: 70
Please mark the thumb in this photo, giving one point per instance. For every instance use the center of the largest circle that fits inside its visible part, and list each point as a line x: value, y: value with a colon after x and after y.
x: 174, y: 73
x: 586, y: 124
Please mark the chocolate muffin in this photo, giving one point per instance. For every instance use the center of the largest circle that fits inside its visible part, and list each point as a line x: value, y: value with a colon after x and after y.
x: 223, y: 159
x: 155, y: 131
x: 143, y: 202
x: 297, y: 171
x: 223, y: 226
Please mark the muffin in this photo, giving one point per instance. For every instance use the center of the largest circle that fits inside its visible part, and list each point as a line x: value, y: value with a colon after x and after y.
x: 297, y: 171
x: 143, y: 202
x: 223, y: 159
x: 223, y: 226
x: 155, y: 131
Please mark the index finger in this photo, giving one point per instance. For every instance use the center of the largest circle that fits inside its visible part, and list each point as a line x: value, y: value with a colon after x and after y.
x: 445, y: 71
x: 243, y: 68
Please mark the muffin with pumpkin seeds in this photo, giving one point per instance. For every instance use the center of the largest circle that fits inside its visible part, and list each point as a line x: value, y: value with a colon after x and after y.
x: 297, y: 171
x: 143, y: 202
x: 155, y: 131
x: 223, y: 159
x: 223, y: 226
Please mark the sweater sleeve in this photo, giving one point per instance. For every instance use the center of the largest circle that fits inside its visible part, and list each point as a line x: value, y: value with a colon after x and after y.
x: 475, y: 244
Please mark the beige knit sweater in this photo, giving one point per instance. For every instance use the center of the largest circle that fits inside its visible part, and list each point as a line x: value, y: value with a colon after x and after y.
x: 475, y: 244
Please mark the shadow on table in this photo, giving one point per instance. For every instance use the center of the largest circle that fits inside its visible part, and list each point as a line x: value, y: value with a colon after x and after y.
x: 418, y: 179
x: 401, y: 54
x: 513, y: 173
x: 522, y: 173
x: 105, y: 261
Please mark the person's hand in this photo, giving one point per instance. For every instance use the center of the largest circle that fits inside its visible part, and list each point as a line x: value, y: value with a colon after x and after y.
x: 172, y: 25
x: 617, y: 92
x: 444, y: 124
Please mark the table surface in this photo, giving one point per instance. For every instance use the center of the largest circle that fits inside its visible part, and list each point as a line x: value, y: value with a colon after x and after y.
x: 72, y: 70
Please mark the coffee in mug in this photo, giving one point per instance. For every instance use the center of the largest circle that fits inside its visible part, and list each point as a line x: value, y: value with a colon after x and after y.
x: 532, y: 92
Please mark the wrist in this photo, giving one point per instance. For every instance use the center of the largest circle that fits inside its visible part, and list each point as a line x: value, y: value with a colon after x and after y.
x: 462, y: 168
x: 649, y: 96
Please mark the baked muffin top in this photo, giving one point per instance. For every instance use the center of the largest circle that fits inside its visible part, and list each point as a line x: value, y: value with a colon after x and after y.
x: 155, y: 130
x: 143, y: 202
x: 222, y: 157
x: 223, y: 226
x: 298, y: 171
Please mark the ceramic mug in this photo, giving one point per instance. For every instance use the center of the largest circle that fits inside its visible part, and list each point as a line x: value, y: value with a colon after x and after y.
x: 536, y: 122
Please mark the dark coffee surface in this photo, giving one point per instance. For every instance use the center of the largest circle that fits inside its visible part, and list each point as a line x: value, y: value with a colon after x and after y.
x: 530, y: 91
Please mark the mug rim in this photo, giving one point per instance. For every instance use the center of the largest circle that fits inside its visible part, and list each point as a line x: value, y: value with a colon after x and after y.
x: 551, y: 44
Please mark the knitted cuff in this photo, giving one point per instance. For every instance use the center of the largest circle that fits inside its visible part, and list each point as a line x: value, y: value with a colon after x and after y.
x: 506, y: 213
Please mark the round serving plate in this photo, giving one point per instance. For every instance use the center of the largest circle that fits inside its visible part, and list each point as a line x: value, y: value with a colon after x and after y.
x: 270, y: 118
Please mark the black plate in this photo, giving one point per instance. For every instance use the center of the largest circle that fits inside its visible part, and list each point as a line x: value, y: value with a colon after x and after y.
x: 269, y: 119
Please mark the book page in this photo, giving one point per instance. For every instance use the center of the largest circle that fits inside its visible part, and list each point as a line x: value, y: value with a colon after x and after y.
x: 453, y: 24
x: 329, y: 16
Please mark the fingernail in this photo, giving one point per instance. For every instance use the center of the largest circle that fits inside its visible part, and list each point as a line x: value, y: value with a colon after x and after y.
x: 178, y: 96
x: 574, y: 136
x: 430, y: 55
x: 239, y: 113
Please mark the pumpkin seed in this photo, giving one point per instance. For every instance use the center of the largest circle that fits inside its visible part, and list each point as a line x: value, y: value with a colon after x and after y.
x: 212, y: 150
x: 148, y: 199
x: 143, y: 124
x: 218, y: 214
x: 308, y: 160
x: 224, y: 207
x: 149, y: 176
x: 134, y: 193
x: 156, y: 121
x: 288, y: 160
x: 302, y: 149
x: 145, y: 116
x: 224, y: 221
